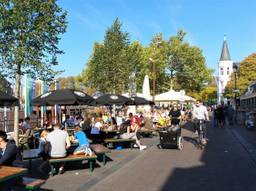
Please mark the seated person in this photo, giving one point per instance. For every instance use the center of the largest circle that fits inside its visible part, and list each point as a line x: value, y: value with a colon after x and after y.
x: 43, y: 142
x: 119, y: 119
x: 83, y: 147
x: 44, y: 147
x: 95, y: 130
x: 21, y: 125
x: 59, y: 143
x: 147, y: 120
x: 175, y: 116
x: 9, y: 153
x: 128, y: 132
x: 28, y: 140
x: 86, y: 125
x: 133, y: 122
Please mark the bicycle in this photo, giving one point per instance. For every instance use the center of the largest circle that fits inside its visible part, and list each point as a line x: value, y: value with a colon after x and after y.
x: 201, y: 133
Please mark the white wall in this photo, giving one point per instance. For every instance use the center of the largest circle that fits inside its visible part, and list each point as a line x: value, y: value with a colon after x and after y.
x: 225, y: 71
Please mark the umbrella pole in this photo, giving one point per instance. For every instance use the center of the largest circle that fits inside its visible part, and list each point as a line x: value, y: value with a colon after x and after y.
x: 42, y: 116
x: 114, y: 110
x: 37, y: 117
x: 5, y: 119
x: 55, y: 114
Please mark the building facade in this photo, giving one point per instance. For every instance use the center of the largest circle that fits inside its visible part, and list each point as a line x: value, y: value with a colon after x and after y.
x: 225, y: 69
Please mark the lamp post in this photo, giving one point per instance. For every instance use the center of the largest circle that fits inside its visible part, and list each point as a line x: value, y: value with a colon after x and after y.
x: 170, y: 62
x: 235, y: 91
x: 157, y: 43
x: 154, y: 78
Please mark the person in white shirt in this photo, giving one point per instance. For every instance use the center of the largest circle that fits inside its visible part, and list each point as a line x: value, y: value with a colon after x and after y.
x: 200, y: 113
x: 59, y: 144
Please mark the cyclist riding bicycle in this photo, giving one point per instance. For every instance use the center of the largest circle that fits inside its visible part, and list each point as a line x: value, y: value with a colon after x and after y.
x: 200, y: 113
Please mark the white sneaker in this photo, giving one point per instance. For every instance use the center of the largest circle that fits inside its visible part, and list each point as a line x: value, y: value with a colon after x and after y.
x: 143, y: 147
x: 135, y: 146
x: 204, y: 141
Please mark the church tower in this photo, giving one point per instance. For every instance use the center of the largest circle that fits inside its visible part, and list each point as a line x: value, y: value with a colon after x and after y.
x: 225, y: 69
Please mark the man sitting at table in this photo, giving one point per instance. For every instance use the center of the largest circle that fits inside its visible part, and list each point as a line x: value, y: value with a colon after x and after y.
x: 59, y: 143
x: 9, y: 153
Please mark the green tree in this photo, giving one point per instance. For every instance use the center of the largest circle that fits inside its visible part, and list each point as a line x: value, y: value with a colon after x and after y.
x: 29, y: 35
x: 108, y: 68
x: 71, y: 82
x: 245, y: 76
x: 157, y: 52
x: 209, y: 94
x: 191, y: 72
x: 135, y: 57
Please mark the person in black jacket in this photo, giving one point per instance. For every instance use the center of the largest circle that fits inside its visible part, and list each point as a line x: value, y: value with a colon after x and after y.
x: 175, y: 115
x: 8, y: 151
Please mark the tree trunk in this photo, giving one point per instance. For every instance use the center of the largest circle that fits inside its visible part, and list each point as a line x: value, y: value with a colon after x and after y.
x: 16, y: 108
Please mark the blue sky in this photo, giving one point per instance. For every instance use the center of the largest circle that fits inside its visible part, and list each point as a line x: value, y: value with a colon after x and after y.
x: 205, y: 21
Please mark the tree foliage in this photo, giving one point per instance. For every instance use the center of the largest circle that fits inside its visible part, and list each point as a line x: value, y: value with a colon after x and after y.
x: 29, y: 35
x: 71, y: 82
x: 245, y: 76
x: 108, y: 68
x: 113, y: 61
x: 188, y: 63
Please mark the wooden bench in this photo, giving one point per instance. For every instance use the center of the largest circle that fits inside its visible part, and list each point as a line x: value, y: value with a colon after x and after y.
x: 70, y: 158
x: 112, y: 141
x: 101, y: 150
x: 147, y: 132
x: 30, y: 183
x: 29, y: 155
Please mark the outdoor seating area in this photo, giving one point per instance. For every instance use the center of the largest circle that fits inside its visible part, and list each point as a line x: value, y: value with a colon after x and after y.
x: 87, y: 138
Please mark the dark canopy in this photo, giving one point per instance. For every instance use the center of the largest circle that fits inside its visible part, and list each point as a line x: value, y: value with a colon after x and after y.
x: 140, y: 101
x: 7, y: 100
x: 62, y: 97
x: 111, y: 99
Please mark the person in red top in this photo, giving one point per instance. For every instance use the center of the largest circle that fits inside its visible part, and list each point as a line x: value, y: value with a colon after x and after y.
x: 131, y: 132
x: 133, y: 122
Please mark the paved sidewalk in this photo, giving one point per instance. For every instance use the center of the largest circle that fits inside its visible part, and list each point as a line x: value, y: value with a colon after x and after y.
x: 224, y: 165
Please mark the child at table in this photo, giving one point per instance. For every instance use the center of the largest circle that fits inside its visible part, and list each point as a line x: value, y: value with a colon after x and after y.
x: 44, y: 146
x: 83, y: 147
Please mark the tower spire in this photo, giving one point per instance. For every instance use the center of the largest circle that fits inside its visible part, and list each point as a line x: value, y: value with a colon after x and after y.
x: 225, y: 52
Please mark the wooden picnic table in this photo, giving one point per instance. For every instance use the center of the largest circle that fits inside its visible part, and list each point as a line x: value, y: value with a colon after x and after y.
x: 9, y: 172
x: 29, y: 155
x: 109, y: 131
x: 99, y: 149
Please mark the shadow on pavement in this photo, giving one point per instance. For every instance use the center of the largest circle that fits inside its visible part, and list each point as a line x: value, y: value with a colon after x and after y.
x: 223, y: 166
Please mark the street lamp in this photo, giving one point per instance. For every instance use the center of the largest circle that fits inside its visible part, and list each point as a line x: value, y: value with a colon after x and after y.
x: 154, y: 77
x: 235, y: 91
x: 157, y: 44
x: 170, y: 62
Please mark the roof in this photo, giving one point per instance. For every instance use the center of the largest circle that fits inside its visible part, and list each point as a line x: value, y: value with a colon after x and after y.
x: 225, y: 52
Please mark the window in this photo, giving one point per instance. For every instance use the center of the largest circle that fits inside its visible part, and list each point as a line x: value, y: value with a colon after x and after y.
x: 228, y: 71
x: 221, y: 71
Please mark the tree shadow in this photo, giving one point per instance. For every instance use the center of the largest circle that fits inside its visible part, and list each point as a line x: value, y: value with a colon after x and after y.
x: 223, y: 166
